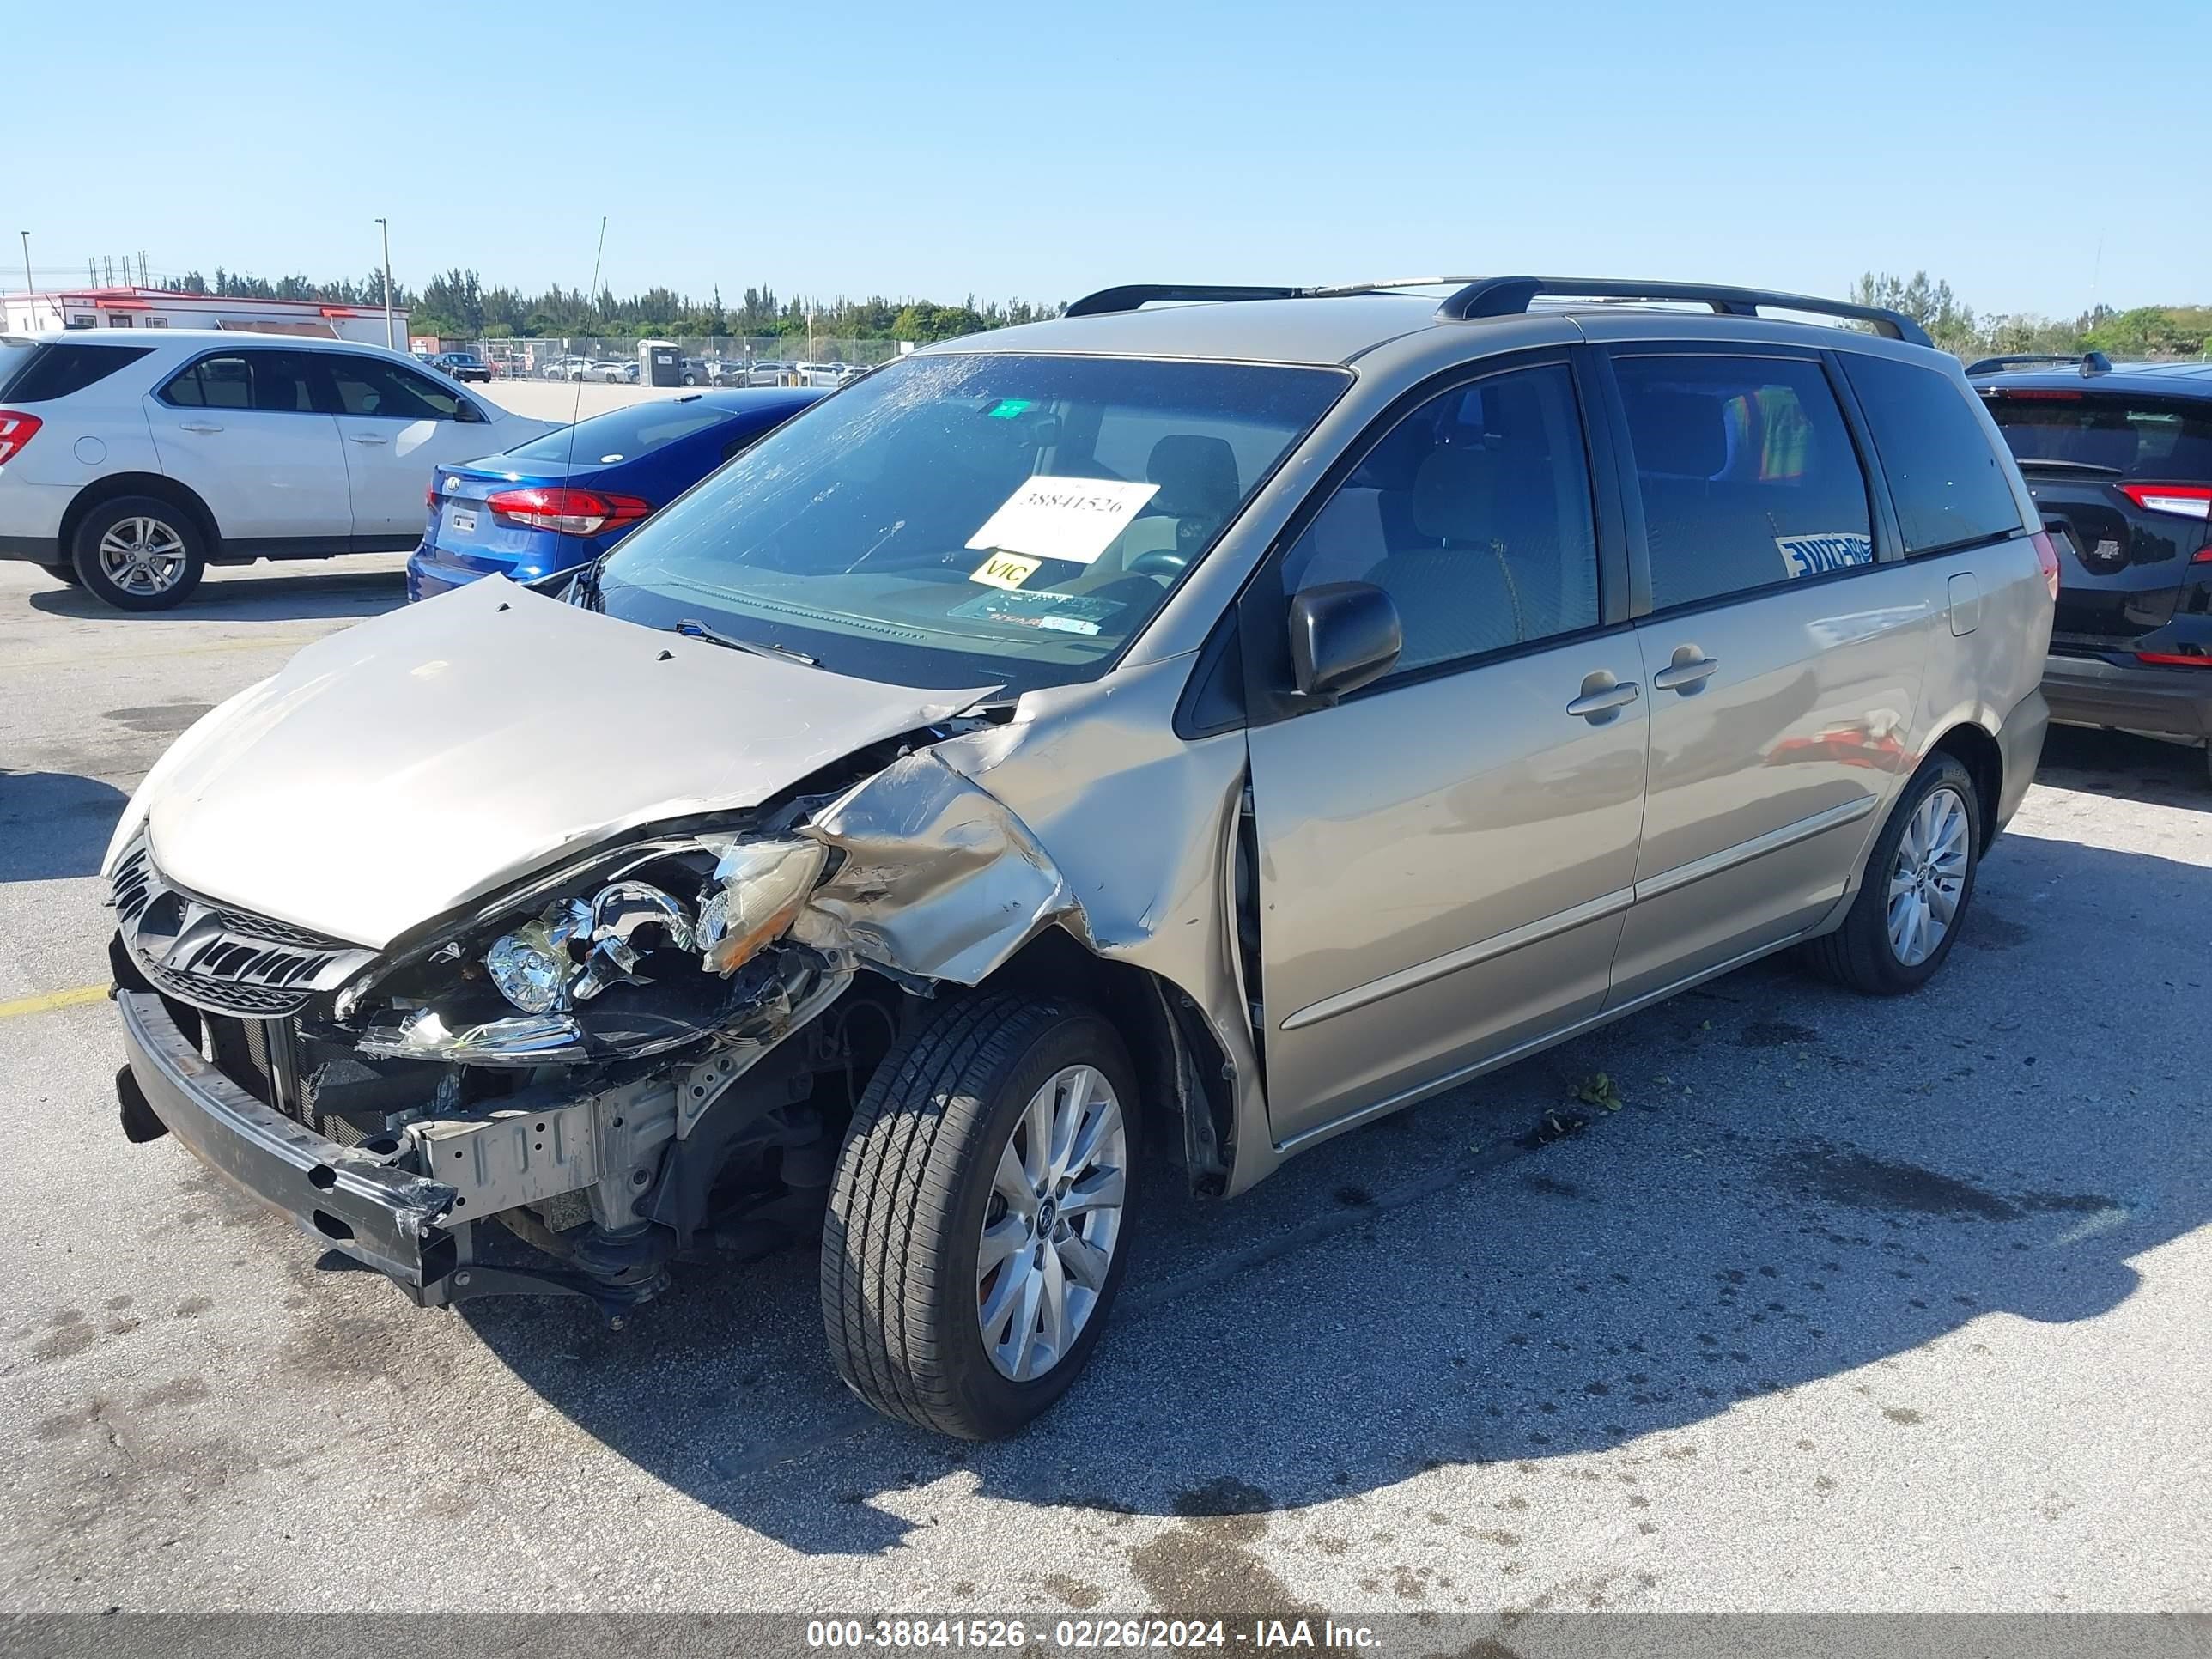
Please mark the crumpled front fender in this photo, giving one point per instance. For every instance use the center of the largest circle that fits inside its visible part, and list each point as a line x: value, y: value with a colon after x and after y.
x: 939, y: 880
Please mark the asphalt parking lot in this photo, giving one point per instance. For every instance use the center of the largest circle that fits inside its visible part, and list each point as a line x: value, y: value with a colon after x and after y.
x: 1848, y: 1305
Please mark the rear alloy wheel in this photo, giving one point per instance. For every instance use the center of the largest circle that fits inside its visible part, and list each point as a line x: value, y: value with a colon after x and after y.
x: 982, y: 1215
x: 1928, y: 876
x: 139, y: 553
x: 1919, y: 881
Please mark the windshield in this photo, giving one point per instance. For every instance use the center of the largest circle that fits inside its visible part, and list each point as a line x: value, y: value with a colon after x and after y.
x: 964, y: 520
x: 623, y: 435
x: 2167, y: 439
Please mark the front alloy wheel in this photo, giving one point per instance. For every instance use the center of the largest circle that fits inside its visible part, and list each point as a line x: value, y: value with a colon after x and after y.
x: 1053, y: 1220
x: 981, y: 1219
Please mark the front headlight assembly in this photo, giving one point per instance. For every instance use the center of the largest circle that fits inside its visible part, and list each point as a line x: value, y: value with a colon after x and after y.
x: 642, y: 954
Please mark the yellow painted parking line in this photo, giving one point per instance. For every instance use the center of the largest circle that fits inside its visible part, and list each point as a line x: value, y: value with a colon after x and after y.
x: 47, y: 1001
x: 208, y: 647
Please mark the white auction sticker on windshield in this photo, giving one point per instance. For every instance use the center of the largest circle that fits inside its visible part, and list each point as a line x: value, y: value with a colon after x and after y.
x: 1075, y: 518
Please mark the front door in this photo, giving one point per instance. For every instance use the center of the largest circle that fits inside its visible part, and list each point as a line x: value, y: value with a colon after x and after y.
x: 399, y: 426
x: 1445, y: 857
x: 1782, y: 660
x: 241, y: 429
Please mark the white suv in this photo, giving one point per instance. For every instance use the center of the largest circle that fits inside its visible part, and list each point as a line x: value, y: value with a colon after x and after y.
x: 129, y: 465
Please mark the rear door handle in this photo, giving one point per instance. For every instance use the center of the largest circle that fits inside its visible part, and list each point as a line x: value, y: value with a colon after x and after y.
x: 1686, y: 672
x: 1603, y: 697
x: 196, y: 426
x: 370, y: 438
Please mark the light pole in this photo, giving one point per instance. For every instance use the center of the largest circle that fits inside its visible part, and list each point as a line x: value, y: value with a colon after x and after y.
x: 386, y: 229
x: 27, y: 283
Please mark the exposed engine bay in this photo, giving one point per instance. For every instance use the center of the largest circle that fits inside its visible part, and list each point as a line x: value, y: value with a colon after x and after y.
x: 647, y: 1053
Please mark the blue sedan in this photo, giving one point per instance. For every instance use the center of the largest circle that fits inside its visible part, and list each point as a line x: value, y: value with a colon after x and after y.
x: 565, y: 498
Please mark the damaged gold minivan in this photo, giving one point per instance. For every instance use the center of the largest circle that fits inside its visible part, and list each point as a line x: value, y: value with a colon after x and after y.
x: 1200, y: 727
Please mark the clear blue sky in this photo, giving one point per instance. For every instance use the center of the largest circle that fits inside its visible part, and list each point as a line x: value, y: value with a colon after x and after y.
x: 1042, y: 149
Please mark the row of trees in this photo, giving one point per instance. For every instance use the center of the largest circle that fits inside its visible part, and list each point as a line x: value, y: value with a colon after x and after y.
x: 2144, y: 331
x: 457, y: 303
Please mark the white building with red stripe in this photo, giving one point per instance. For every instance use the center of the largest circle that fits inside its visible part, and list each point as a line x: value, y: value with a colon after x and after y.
x: 155, y: 307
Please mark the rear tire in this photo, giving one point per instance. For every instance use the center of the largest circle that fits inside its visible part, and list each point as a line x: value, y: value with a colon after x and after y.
x: 64, y: 572
x: 139, y: 553
x: 1918, y: 885
x: 924, y: 1251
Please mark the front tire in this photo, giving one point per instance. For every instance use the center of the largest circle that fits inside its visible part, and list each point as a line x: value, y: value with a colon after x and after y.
x: 139, y: 553
x: 981, y: 1219
x: 64, y: 572
x: 1918, y: 884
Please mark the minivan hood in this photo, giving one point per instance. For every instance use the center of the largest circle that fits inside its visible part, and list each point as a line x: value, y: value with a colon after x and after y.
x: 424, y: 758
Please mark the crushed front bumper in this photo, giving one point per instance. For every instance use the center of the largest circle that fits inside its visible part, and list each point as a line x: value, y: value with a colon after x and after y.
x: 347, y: 1197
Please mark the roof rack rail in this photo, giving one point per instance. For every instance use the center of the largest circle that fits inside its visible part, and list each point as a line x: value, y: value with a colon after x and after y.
x: 1507, y: 296
x: 1130, y: 295
x: 2093, y: 363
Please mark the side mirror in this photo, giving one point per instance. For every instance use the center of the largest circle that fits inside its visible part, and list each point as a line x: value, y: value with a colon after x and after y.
x: 1343, y: 636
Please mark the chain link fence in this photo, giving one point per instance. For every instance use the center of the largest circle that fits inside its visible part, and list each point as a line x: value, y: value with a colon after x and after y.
x: 760, y: 360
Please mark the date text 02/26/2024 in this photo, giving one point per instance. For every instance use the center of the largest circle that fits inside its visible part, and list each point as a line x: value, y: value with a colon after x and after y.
x: 1088, y: 1635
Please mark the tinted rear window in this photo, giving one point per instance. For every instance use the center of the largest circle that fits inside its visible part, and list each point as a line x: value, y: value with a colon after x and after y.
x: 1747, y: 471
x: 1949, y: 486
x: 623, y: 434
x: 39, y: 373
x: 2168, y: 439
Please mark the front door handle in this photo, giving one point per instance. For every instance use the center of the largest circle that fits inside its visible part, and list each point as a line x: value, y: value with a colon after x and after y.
x: 370, y: 438
x: 1603, y: 698
x: 1686, y: 672
x: 196, y: 426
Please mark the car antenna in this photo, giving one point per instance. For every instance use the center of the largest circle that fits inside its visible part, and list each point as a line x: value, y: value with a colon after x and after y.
x: 576, y: 409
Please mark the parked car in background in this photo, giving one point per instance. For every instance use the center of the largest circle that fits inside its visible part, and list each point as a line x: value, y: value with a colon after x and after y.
x: 1214, y: 726
x: 2118, y: 457
x: 462, y: 365
x: 613, y: 369
x: 567, y: 495
x: 729, y: 371
x: 131, y: 465
x: 566, y: 367
x: 767, y: 371
x: 698, y: 371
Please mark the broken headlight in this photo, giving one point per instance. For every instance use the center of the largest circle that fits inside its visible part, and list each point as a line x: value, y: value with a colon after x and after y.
x: 642, y: 961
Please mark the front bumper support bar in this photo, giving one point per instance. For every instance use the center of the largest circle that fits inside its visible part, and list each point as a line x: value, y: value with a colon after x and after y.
x: 351, y: 1200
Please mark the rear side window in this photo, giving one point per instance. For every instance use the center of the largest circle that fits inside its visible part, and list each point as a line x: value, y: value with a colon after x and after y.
x: 274, y: 382
x: 212, y: 383
x: 2166, y: 438
x: 1747, y: 471
x: 1948, y: 484
x: 623, y: 435
x: 44, y: 372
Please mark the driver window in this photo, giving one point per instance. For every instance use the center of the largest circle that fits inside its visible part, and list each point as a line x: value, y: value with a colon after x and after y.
x: 1473, y: 515
x: 365, y: 387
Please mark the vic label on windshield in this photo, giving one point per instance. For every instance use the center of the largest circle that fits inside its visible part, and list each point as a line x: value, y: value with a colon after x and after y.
x: 1075, y: 518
